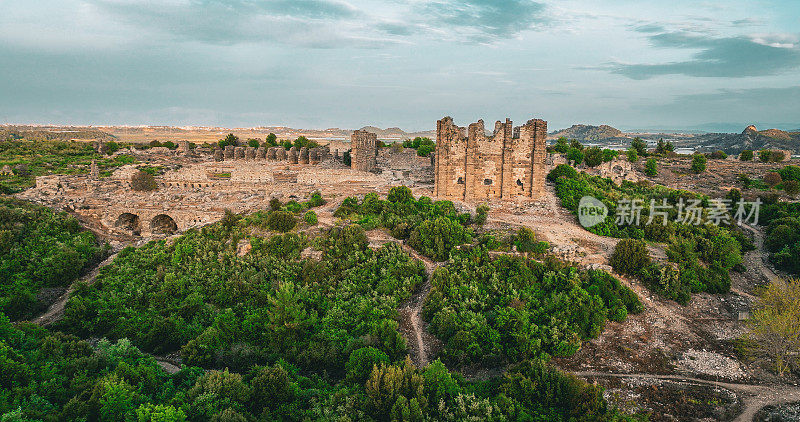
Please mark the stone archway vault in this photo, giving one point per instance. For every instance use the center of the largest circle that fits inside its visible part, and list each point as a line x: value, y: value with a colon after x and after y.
x: 128, y: 221
x: 162, y: 223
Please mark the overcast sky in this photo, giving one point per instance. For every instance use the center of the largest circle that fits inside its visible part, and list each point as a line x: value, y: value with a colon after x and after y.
x: 326, y: 63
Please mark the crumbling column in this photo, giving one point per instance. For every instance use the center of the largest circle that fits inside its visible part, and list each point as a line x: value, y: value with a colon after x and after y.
x: 261, y: 153
x: 303, y: 159
x: 364, y: 152
x: 238, y: 153
x: 313, y: 156
x: 293, y: 155
x: 280, y: 153
x: 183, y: 147
x: 272, y: 154
x: 218, y: 155
x: 250, y: 153
x: 229, y: 152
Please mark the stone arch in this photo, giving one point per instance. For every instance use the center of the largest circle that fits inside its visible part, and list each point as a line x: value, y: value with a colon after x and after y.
x: 163, y: 223
x: 128, y: 221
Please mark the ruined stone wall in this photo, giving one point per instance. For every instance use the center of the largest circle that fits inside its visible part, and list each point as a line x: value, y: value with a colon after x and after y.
x: 472, y: 166
x: 364, y: 152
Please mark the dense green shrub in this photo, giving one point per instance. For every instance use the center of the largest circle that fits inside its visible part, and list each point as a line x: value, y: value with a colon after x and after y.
x: 746, y: 155
x: 629, y: 256
x: 481, y: 213
x: 310, y: 217
x: 699, y: 163
x: 525, y: 241
x: 39, y: 248
x: 632, y: 155
x: 790, y: 172
x: 281, y: 221
x: 791, y: 187
x: 708, y: 251
x: 562, y: 170
x: 651, y: 167
x: 575, y: 155
x: 718, y: 155
x: 491, y: 311
x: 275, y: 204
x: 436, y: 238
x: 400, y: 194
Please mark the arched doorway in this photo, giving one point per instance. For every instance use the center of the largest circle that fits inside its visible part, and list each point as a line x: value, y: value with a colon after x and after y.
x: 128, y: 221
x: 163, y: 223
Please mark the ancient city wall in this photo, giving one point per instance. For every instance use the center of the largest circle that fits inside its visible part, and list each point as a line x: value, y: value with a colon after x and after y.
x: 472, y: 166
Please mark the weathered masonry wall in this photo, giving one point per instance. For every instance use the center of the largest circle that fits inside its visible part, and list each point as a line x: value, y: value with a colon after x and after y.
x: 364, y: 150
x: 472, y: 166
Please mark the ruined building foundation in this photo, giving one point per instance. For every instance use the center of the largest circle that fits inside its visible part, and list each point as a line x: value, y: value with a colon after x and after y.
x: 472, y: 166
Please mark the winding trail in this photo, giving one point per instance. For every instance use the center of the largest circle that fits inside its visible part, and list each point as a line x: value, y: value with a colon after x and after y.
x: 412, y: 310
x: 56, y: 311
x: 753, y: 396
x: 757, y: 257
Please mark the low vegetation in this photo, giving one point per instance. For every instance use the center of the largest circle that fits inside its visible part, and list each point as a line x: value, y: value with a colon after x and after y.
x: 433, y: 228
x: 703, y: 253
x: 495, y: 311
x: 775, y: 326
x: 39, y: 249
x: 28, y: 159
x: 282, y: 336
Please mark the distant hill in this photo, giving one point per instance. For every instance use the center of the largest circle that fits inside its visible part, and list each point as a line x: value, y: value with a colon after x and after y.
x: 587, y: 133
x: 51, y: 133
x: 397, y: 133
x: 751, y: 138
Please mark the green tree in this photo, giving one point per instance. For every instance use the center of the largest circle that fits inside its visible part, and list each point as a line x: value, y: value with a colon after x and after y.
x: 699, y: 163
x: 361, y: 363
x: 231, y: 139
x: 664, y: 147
x: 651, y: 167
x: 746, y: 155
x: 632, y: 155
x: 561, y: 145
x: 255, y: 143
x: 775, y: 325
x: 272, y: 140
x: 640, y: 146
x: 593, y: 156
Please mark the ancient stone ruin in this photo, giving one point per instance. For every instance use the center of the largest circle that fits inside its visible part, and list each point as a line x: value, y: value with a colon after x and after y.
x: 509, y: 164
x: 364, y: 150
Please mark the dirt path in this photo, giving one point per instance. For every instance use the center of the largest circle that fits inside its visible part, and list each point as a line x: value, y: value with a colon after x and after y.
x: 56, y: 310
x: 421, y: 342
x: 754, y: 397
x: 756, y: 258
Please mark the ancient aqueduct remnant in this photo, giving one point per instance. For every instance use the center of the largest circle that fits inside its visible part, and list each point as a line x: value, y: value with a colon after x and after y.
x: 472, y: 166
x: 364, y: 150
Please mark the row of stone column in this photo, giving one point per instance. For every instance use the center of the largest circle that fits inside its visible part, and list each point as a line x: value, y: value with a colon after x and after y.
x: 294, y: 155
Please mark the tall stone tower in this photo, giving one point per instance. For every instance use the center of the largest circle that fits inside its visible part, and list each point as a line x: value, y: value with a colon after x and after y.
x: 364, y: 152
x: 472, y: 166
